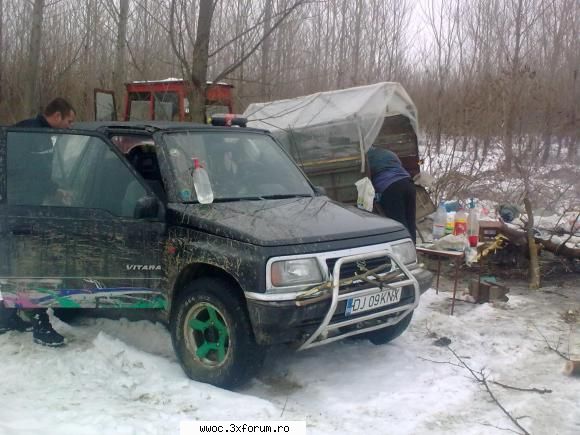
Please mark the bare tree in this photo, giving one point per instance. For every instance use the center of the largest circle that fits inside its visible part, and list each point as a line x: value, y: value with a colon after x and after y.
x: 266, y: 48
x: 485, y: 72
x: 356, y: 55
x: 195, y: 69
x: 1, y: 48
x: 573, y: 62
x: 31, y: 100
x: 119, y: 74
x: 442, y: 26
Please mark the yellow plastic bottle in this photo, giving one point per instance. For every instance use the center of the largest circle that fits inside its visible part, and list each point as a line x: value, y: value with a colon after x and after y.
x: 450, y: 224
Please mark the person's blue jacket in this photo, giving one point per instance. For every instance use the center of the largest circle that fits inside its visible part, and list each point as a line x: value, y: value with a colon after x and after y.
x: 385, y: 168
x: 38, y: 122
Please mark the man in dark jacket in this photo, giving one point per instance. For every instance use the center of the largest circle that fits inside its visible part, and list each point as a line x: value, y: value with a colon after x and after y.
x: 394, y: 184
x: 58, y: 114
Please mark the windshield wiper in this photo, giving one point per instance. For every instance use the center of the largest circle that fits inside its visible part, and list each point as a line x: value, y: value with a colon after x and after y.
x: 255, y: 198
x: 232, y: 199
x: 287, y: 195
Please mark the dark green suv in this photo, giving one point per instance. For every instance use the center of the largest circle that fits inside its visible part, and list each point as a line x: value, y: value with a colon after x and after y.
x: 106, y: 216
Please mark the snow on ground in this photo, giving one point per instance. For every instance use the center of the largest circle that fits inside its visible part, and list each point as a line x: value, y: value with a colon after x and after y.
x: 554, y: 186
x: 121, y: 377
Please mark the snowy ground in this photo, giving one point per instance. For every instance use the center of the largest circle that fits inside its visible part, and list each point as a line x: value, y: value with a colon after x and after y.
x: 120, y: 377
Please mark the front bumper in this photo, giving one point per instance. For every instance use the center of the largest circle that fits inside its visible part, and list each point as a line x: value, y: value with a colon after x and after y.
x: 321, y: 318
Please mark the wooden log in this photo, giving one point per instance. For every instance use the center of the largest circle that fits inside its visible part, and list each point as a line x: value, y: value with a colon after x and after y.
x: 560, y: 249
x: 519, y: 238
x: 572, y: 368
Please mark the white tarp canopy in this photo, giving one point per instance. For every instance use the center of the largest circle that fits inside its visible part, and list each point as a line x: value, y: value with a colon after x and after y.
x: 331, y: 123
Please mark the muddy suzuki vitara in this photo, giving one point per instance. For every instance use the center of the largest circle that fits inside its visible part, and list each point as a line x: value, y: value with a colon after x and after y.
x: 107, y: 216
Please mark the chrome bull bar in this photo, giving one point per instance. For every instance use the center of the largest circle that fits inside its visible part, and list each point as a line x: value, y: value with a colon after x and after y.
x: 320, y: 336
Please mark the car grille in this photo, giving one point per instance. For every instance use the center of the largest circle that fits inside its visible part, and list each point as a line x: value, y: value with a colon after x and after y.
x: 349, y: 270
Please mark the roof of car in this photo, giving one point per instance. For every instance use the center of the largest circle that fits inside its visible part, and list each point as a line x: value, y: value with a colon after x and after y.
x: 151, y: 126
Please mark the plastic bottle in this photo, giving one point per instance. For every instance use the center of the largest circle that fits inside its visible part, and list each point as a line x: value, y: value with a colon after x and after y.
x: 473, y: 225
x: 460, y: 226
x: 450, y: 223
x: 201, y: 183
x: 439, y: 222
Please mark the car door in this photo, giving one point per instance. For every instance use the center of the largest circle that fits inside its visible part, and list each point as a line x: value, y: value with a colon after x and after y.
x: 3, y: 229
x: 77, y: 236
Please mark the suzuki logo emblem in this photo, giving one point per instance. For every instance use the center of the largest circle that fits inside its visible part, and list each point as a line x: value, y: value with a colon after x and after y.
x: 361, y: 265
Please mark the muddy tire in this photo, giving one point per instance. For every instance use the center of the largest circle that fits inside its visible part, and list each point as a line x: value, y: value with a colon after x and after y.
x: 388, y: 334
x: 212, y: 335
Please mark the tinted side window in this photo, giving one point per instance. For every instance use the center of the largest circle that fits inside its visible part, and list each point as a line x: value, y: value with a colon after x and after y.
x: 68, y: 170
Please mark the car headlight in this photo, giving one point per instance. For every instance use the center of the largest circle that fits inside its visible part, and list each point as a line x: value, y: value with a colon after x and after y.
x: 405, y: 252
x: 295, y: 272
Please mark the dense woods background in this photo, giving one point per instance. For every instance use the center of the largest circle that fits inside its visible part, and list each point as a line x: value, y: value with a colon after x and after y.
x: 481, y: 72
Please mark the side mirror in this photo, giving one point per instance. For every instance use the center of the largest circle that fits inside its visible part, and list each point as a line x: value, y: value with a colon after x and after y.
x: 147, y: 207
x: 320, y: 191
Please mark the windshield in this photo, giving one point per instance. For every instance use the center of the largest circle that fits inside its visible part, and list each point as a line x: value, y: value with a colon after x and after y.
x: 239, y: 166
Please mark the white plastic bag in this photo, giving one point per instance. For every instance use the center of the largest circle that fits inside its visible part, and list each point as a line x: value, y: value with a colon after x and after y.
x: 366, y: 194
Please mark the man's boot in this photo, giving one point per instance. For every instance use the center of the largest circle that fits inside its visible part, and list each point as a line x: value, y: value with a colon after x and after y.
x: 11, y: 321
x: 42, y: 330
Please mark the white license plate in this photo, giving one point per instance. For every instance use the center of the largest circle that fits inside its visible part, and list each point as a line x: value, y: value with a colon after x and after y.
x: 380, y: 298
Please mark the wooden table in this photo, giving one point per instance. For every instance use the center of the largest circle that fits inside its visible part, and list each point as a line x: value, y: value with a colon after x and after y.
x: 457, y: 256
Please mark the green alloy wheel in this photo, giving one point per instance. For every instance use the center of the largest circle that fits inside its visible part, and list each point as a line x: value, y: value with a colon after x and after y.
x: 207, y: 334
x: 212, y: 335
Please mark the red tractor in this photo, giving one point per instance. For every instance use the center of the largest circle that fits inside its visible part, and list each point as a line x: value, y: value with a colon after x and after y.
x: 161, y: 100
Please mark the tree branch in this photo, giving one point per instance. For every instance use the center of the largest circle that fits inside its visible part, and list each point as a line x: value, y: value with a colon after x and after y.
x: 181, y: 56
x: 552, y: 348
x: 531, y: 390
x: 440, y: 362
x: 241, y: 35
x: 482, y: 379
x: 237, y: 64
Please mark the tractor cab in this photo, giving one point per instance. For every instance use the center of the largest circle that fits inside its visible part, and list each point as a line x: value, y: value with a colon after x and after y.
x: 161, y: 100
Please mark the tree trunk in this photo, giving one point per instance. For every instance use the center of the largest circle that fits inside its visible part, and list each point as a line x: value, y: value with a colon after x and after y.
x: 439, y: 120
x: 31, y: 94
x: 572, y: 368
x: 1, y: 49
x: 574, y: 142
x: 342, y: 48
x: 512, y: 94
x: 560, y: 139
x: 357, y: 38
x: 119, y: 73
x: 266, y: 46
x: 486, y: 144
x: 520, y: 239
x: 533, y: 249
x: 200, y: 61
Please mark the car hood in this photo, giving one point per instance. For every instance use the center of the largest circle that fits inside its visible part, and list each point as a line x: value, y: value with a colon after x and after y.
x: 282, y: 221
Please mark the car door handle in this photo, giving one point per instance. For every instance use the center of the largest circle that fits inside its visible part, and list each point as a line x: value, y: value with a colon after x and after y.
x: 23, y: 230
